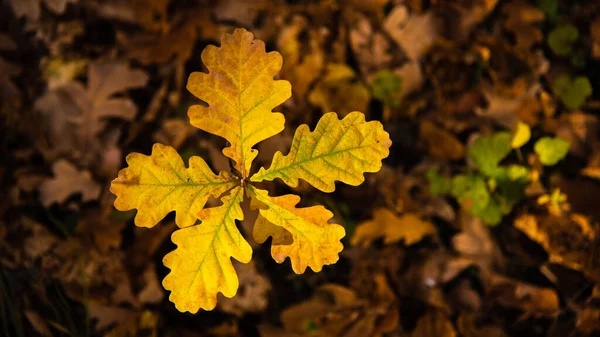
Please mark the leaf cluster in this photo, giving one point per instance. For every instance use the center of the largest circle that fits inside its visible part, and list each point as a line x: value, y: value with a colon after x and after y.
x: 490, y: 191
x: 240, y: 92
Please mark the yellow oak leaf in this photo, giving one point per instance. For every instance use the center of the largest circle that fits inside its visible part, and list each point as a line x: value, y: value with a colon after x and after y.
x: 241, y: 93
x: 160, y: 183
x: 302, y: 234
x: 337, y: 150
x: 201, y: 265
x: 408, y: 227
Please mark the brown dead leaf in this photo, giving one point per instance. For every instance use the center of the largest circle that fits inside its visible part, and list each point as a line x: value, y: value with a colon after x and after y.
x: 466, y: 325
x: 174, y: 132
x: 372, y: 48
x: 475, y: 243
x: 568, y: 240
x: 340, y: 90
x: 38, y: 323
x: 152, y: 291
x: 77, y: 115
x: 66, y: 182
x: 533, y: 300
x: 441, y: 143
x: 434, y: 324
x: 505, y: 109
x: 304, y: 60
x: 408, y: 228
x: 415, y: 33
x: 253, y: 293
x: 521, y: 20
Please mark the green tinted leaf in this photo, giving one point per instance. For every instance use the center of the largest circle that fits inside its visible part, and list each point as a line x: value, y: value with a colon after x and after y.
x: 471, y: 191
x: 492, y: 214
x: 562, y: 38
x: 550, y: 8
x: 387, y: 87
x: 438, y: 185
x: 572, y: 92
x: 551, y: 150
x: 487, y: 152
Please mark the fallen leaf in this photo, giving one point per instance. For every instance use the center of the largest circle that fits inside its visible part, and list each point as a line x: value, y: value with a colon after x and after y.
x: 440, y: 142
x: 66, y: 182
x: 253, y: 292
x: 434, y: 323
x: 340, y: 90
x: 408, y: 228
x: 415, y: 33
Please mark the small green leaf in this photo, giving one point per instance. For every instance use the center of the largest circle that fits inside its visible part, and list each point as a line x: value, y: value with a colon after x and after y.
x: 550, y: 8
x: 492, y: 214
x: 562, y: 38
x: 488, y: 151
x: 521, y: 136
x: 572, y: 92
x: 551, y: 150
x: 387, y: 87
x: 438, y: 185
x: 471, y: 191
x: 517, y: 172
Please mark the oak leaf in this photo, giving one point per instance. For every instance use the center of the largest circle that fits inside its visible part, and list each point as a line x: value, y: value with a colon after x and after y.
x: 336, y: 150
x: 160, y: 183
x: 303, y: 234
x: 241, y: 93
x: 201, y: 265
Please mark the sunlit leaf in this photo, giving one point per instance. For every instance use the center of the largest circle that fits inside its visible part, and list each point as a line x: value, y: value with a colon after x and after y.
x: 521, y: 135
x: 201, y: 265
x: 551, y: 150
x: 336, y: 150
x: 407, y: 227
x: 302, y: 234
x: 160, y: 183
x: 240, y: 92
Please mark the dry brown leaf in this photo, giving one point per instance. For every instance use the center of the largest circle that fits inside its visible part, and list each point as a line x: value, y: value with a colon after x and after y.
x: 340, y: 90
x: 76, y: 115
x: 434, y: 324
x: 466, y: 325
x: 569, y: 241
x: 415, y: 33
x: 371, y: 48
x: 38, y: 323
x: 253, y: 292
x: 174, y: 132
x: 407, y: 227
x: 504, y: 109
x: 533, y: 300
x: 304, y: 61
x: 475, y: 243
x: 440, y: 142
x: 152, y: 292
x: 66, y: 182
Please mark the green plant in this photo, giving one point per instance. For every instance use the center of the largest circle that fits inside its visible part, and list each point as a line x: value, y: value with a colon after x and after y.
x: 490, y: 191
x: 572, y: 92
